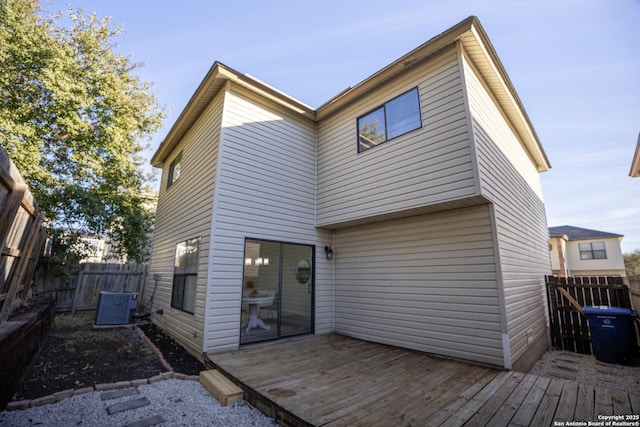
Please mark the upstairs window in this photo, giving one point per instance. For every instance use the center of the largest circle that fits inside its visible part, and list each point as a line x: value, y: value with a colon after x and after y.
x: 595, y: 250
x: 174, y: 170
x: 185, y: 276
x: 394, y: 118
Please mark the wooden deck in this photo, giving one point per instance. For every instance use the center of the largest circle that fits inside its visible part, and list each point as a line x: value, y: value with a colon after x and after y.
x: 332, y: 380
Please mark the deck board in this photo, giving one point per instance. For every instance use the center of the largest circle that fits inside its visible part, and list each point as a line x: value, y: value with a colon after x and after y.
x: 529, y: 406
x: 545, y: 413
x: 462, y: 415
x: 333, y: 380
x: 586, y: 397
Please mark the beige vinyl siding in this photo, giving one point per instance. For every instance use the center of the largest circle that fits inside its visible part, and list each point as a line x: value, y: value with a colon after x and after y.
x: 426, y: 282
x: 265, y: 190
x: 511, y: 182
x: 184, y: 212
x: 424, y: 167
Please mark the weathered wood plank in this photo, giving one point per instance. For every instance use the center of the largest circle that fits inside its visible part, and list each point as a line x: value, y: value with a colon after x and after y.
x: 528, y: 408
x: 585, y: 400
x: 339, y: 382
x: 382, y: 393
x: 567, y: 404
x: 420, y: 404
x: 544, y: 416
x: 391, y: 389
x: 458, y: 398
x: 603, y: 402
x: 341, y: 365
x: 621, y: 402
x: 476, y: 402
x: 634, y: 400
x: 19, y: 274
x: 489, y: 409
x: 506, y: 412
x: 9, y: 211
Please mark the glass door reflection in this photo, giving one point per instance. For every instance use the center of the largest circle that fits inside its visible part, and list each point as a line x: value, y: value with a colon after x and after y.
x: 277, y: 291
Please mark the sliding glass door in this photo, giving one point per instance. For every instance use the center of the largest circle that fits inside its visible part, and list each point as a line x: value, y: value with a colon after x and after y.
x: 277, y: 290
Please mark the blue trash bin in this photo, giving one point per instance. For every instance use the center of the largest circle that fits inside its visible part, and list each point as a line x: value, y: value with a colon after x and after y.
x: 613, y: 334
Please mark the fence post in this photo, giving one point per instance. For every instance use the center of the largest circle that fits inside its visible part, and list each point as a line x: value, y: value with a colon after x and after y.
x: 79, y: 289
x: 10, y: 210
x: 22, y: 267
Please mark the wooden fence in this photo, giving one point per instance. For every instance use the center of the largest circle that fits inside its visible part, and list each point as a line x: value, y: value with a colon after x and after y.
x: 22, y: 238
x: 80, y: 290
x: 569, y: 327
x: 634, y: 289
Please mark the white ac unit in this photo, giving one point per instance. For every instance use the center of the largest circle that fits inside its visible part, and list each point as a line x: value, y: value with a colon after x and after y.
x: 116, y: 308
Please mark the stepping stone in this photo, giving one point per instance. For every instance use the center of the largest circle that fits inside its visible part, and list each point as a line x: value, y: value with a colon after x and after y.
x: 129, y: 404
x: 119, y: 393
x: 147, y: 422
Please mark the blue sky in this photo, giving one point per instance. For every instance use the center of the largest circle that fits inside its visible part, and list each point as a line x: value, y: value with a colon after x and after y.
x: 575, y: 65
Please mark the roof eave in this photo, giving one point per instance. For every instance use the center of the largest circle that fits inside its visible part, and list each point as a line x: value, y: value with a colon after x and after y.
x: 417, y: 55
x: 212, y: 83
x: 635, y: 164
x: 518, y: 115
x: 180, y: 126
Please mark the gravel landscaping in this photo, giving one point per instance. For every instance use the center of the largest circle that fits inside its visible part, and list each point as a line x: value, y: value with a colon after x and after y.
x: 178, y: 402
x: 79, y: 365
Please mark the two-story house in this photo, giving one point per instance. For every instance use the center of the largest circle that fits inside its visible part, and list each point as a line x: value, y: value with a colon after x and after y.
x: 406, y: 210
x: 579, y: 251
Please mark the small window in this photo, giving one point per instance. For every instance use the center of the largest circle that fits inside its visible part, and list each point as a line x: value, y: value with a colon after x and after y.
x: 595, y: 250
x: 397, y: 117
x: 174, y: 170
x: 185, y: 275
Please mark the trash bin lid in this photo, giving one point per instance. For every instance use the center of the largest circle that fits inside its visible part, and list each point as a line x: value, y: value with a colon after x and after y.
x: 608, y: 311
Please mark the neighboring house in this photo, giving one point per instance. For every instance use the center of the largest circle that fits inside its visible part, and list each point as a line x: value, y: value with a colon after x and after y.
x: 579, y: 251
x: 635, y: 163
x: 406, y: 210
x: 95, y: 249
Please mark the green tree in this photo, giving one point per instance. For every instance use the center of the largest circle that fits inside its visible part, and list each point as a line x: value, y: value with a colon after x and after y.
x: 74, y: 119
x: 632, y: 262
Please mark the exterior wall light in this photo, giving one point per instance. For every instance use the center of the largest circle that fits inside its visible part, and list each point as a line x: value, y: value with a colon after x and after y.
x: 328, y: 252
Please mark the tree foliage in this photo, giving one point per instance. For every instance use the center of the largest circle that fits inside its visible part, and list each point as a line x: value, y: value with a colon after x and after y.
x: 632, y: 263
x: 74, y: 119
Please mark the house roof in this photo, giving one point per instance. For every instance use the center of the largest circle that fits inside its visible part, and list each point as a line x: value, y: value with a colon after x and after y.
x: 576, y: 233
x: 469, y: 33
x: 635, y: 164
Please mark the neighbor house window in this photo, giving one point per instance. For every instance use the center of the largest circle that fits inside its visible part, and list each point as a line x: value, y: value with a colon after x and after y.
x: 394, y: 118
x: 185, y: 275
x: 595, y: 250
x: 174, y: 170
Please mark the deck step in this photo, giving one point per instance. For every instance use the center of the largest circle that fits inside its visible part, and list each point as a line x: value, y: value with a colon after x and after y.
x: 220, y: 387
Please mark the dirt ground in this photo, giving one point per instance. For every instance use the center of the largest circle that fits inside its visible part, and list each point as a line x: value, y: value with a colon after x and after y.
x: 76, y: 355
x: 586, y: 369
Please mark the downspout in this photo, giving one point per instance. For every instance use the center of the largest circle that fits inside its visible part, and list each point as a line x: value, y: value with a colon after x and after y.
x: 566, y: 257
x: 333, y: 285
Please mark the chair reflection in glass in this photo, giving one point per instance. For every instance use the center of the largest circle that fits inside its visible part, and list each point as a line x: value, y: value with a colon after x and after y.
x: 274, y: 307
